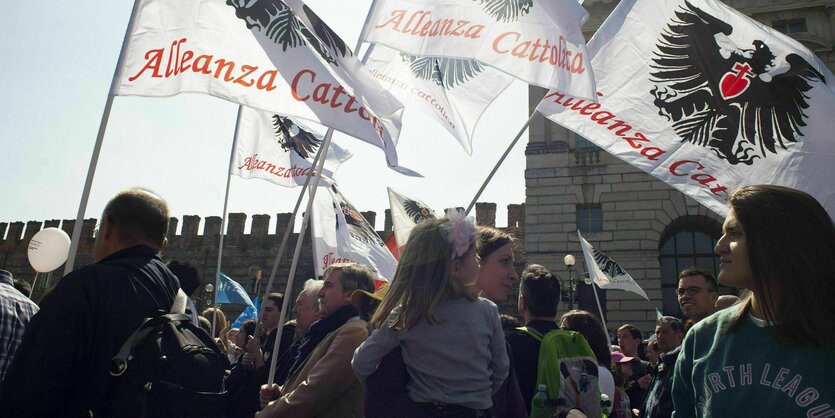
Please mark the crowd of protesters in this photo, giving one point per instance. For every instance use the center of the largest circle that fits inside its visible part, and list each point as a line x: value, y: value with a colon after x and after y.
x: 432, y: 344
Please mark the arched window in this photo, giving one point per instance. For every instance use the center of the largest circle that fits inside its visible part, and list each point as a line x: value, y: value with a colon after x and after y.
x: 688, y: 241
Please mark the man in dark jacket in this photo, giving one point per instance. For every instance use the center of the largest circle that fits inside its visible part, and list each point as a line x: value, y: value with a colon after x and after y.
x: 62, y: 366
x: 669, y: 331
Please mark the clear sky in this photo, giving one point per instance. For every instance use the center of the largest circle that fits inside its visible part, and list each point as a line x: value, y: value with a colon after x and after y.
x: 57, y: 64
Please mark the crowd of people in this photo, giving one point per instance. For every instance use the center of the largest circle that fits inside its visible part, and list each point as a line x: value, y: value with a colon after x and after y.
x: 432, y: 344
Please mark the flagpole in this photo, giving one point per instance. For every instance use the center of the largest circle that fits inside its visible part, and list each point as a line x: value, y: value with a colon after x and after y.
x: 597, y: 298
x: 94, y: 159
x: 323, y: 151
x: 299, y: 241
x: 499, y: 163
x: 223, y: 218
x: 287, y: 231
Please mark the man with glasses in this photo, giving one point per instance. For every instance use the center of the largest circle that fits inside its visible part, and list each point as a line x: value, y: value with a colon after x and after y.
x: 696, y: 294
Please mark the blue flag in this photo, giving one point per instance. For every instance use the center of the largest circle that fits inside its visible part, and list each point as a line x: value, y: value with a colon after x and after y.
x: 230, y: 291
x: 251, y: 312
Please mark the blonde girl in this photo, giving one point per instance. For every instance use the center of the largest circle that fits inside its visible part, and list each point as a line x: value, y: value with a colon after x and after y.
x: 452, y: 340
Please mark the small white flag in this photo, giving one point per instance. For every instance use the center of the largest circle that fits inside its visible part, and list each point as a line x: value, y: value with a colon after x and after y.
x: 341, y: 234
x: 406, y: 212
x: 280, y: 150
x: 606, y: 273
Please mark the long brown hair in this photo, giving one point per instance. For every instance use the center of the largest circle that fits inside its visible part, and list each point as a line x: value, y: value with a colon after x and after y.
x: 422, y: 280
x: 791, y: 251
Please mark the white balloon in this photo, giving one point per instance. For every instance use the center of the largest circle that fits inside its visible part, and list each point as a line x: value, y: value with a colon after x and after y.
x: 48, y: 249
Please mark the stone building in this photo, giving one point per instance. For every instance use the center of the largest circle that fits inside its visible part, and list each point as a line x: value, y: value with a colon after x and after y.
x: 247, y: 257
x: 650, y: 229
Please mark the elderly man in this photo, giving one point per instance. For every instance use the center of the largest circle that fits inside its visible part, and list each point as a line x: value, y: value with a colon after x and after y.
x: 61, y: 367
x: 321, y: 382
x: 307, y: 306
x: 307, y: 312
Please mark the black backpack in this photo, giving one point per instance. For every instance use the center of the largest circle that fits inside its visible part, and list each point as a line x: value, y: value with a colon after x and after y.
x: 168, y: 368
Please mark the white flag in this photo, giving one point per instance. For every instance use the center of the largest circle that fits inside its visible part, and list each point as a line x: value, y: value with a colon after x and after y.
x: 406, y: 212
x: 281, y: 150
x: 707, y: 100
x: 606, y: 273
x: 539, y: 42
x: 455, y: 92
x: 341, y: 234
x: 259, y: 54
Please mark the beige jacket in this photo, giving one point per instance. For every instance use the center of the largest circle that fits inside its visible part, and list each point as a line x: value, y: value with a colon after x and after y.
x: 325, y: 385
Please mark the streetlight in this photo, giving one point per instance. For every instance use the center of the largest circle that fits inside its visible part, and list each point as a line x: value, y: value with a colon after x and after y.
x: 208, y: 299
x: 569, y: 261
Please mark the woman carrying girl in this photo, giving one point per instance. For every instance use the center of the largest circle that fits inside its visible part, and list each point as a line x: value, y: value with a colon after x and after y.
x: 452, y: 341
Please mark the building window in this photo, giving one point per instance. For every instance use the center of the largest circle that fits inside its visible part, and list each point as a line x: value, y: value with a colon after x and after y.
x: 581, y: 142
x: 687, y: 242
x: 790, y: 25
x: 585, y: 152
x: 590, y: 218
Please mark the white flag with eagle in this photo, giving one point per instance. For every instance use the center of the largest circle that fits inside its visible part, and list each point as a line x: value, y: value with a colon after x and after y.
x: 273, y: 55
x: 341, y: 234
x: 706, y: 99
x: 406, y: 212
x: 606, y: 273
x: 454, y: 92
x: 539, y: 42
x: 280, y: 150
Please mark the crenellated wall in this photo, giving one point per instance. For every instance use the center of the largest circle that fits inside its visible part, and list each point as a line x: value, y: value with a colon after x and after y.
x: 247, y: 257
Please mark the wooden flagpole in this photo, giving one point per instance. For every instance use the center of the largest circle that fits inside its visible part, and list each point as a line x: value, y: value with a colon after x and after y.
x: 94, y: 159
x: 283, y: 247
x: 223, y: 217
x: 299, y: 241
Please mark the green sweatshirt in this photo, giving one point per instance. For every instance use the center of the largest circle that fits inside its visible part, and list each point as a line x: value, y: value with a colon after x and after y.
x: 747, y: 373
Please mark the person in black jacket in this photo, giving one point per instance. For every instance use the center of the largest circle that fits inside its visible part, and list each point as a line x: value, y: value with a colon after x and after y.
x: 62, y: 366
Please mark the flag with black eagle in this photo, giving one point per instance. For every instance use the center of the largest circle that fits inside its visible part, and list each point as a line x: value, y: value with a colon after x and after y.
x: 706, y: 99
x: 340, y: 233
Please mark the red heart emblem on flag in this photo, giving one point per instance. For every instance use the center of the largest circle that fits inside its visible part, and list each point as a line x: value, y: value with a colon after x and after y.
x: 733, y: 84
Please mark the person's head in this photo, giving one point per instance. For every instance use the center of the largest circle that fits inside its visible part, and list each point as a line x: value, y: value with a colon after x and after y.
x: 587, y: 324
x: 653, y: 351
x: 369, y: 301
x: 622, y: 368
x: 726, y: 301
x: 205, y: 324
x: 629, y: 339
x: 271, y: 311
x: 669, y: 332
x: 220, y: 321
x: 247, y: 330
x: 497, y: 276
x: 539, y: 294
x: 697, y: 293
x: 439, y: 262
x: 341, y: 279
x: 778, y: 243
x: 307, y: 305
x: 187, y: 275
x: 134, y: 216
